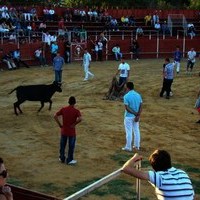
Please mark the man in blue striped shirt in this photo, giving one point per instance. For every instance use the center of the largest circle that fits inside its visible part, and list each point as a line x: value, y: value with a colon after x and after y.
x: 169, y: 182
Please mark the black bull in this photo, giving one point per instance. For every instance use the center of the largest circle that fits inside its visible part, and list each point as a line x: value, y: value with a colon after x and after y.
x: 42, y: 93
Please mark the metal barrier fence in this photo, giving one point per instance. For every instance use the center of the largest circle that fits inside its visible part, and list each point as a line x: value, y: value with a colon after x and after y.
x: 103, y: 181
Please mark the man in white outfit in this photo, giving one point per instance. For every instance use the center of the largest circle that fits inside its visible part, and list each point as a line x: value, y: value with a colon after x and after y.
x: 123, y: 71
x: 86, y: 64
x: 191, y: 59
x: 133, y: 109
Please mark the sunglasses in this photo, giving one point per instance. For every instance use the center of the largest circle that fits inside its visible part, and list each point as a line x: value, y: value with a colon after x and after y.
x: 4, y: 173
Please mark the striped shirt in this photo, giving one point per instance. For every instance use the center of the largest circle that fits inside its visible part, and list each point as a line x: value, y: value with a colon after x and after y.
x: 172, y: 184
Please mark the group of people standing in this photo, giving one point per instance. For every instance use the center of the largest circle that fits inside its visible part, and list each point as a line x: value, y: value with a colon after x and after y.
x: 169, y: 69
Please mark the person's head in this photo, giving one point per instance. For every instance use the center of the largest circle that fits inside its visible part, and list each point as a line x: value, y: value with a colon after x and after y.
x: 3, y: 173
x: 85, y: 50
x: 167, y: 60
x: 177, y: 48
x: 122, y: 60
x: 130, y: 85
x: 72, y: 100
x: 160, y: 160
x: 192, y: 49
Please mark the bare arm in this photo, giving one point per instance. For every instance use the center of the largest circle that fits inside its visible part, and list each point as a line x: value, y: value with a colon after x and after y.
x: 78, y: 120
x: 7, y: 193
x: 129, y: 168
x: 134, y: 112
x: 58, y: 121
x: 128, y: 75
x: 130, y: 110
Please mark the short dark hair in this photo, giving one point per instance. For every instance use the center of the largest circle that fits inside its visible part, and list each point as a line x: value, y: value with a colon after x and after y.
x: 160, y: 160
x: 1, y: 161
x: 72, y: 100
x: 130, y: 85
x: 167, y: 59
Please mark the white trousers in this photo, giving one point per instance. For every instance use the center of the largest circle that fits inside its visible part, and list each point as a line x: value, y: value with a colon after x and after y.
x: 132, y: 127
x: 177, y: 65
x: 10, y: 64
x: 87, y: 72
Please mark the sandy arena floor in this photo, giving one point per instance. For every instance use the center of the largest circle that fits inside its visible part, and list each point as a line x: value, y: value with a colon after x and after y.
x: 29, y: 142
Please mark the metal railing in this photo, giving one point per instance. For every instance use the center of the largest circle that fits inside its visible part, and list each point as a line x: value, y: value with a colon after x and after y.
x: 103, y: 181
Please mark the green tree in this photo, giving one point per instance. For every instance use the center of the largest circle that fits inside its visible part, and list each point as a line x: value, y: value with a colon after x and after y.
x: 194, y: 4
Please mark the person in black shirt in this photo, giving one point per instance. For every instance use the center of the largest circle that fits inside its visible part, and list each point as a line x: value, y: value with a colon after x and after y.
x: 135, y: 49
x: 67, y: 52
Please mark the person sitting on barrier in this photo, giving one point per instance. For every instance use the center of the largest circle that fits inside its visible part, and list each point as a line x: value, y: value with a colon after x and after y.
x: 5, y: 191
x: 191, y: 30
x: 148, y: 20
x: 17, y: 58
x: 139, y: 31
x: 113, y: 25
x: 157, y: 26
x: 7, y: 58
x: 117, y: 52
x: 39, y: 55
x: 131, y: 20
x: 169, y: 182
x: 164, y: 28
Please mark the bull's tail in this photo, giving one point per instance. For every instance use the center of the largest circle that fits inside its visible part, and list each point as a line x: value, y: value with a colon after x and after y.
x: 12, y: 91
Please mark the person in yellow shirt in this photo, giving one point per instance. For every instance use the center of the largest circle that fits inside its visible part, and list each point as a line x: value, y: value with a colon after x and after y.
x: 147, y: 20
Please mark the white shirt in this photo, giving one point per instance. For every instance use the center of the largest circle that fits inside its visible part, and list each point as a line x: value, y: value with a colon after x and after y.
x: 86, y: 59
x: 53, y: 38
x: 191, y: 56
x: 172, y: 184
x: 51, y: 12
x: 100, y: 45
x: 46, y: 38
x: 38, y: 53
x: 124, y: 68
x: 157, y: 26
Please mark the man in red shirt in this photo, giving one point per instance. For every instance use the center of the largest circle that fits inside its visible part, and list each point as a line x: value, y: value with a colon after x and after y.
x: 70, y: 118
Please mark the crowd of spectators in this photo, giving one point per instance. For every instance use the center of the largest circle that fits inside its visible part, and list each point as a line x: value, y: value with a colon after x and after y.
x: 25, y: 22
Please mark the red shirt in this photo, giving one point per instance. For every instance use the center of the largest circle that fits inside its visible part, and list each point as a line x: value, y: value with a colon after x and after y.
x: 69, y: 117
x: 61, y: 24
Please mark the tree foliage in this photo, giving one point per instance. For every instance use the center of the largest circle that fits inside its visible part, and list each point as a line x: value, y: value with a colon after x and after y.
x: 151, y: 4
x: 195, y: 4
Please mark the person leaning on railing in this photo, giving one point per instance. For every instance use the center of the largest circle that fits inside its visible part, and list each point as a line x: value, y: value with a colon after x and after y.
x: 169, y: 182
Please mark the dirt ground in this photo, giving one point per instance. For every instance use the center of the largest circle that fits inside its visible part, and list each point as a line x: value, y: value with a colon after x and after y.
x: 29, y: 143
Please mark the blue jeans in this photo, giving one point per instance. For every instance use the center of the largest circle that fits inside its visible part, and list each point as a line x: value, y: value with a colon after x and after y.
x: 58, y: 76
x: 63, y: 143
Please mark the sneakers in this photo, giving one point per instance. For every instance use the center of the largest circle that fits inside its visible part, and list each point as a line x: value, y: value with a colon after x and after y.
x: 126, y: 149
x: 72, y: 162
x: 85, y: 79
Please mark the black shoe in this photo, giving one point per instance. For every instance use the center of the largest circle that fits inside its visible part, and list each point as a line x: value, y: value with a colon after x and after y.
x: 60, y: 160
x: 198, y: 122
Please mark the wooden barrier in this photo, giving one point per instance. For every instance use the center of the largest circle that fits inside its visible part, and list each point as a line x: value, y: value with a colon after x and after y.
x: 20, y: 193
